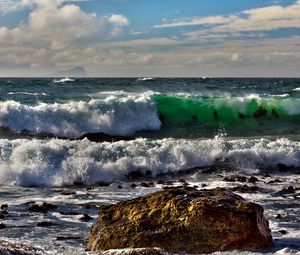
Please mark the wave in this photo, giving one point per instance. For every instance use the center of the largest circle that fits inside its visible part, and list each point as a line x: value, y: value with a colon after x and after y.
x: 119, y: 113
x: 57, y: 162
x: 146, y: 79
x: 114, y: 115
x: 296, y: 89
x: 180, y: 109
x: 63, y: 80
x: 27, y: 93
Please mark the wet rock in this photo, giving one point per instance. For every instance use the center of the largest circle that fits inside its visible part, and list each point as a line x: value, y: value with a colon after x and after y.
x: 2, y: 226
x: 4, y: 207
x: 133, y: 185
x: 7, y: 248
x: 43, y: 208
x: 245, y: 189
x: 235, y: 178
x: 136, y: 251
x: 253, y: 179
x: 3, y: 214
x: 182, y: 220
x: 63, y: 238
x: 45, y: 224
x: 260, y: 112
x: 203, y: 185
x: 278, y: 216
x: 120, y: 187
x: 102, y: 137
x: 103, y: 184
x: 68, y: 193
x: 86, y: 217
x: 274, y: 181
x: 90, y: 188
x: 289, y: 190
x: 283, y: 232
x: 161, y: 182
x: 147, y: 184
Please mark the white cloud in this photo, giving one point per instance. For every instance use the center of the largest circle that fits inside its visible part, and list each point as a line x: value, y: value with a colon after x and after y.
x: 198, y: 21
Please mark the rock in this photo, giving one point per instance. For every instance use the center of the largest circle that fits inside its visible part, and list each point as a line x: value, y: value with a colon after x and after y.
x: 3, y: 214
x: 4, y: 207
x: 274, y: 181
x: 236, y: 178
x: 43, y: 208
x: 89, y: 188
x: 245, y: 189
x: 68, y: 193
x: 62, y: 238
x: 136, y: 251
x: 288, y: 190
x: 86, y: 217
x: 182, y: 220
x: 283, y: 232
x: 278, y: 216
x: 2, y: 226
x: 103, y: 184
x: 46, y: 224
x: 253, y: 179
x: 7, y: 248
x: 133, y: 185
x: 120, y: 187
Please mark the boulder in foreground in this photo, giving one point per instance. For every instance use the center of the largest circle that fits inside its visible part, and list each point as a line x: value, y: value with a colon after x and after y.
x: 182, y: 220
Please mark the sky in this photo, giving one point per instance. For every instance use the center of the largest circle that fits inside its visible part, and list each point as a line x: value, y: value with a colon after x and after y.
x: 141, y: 38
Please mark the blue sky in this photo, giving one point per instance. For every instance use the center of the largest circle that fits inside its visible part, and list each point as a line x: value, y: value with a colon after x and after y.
x: 150, y: 38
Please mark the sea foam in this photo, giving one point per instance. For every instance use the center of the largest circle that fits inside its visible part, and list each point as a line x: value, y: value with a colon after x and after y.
x: 58, y: 162
x: 113, y: 115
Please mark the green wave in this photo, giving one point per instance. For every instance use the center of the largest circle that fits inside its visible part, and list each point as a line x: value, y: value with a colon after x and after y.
x: 227, y: 112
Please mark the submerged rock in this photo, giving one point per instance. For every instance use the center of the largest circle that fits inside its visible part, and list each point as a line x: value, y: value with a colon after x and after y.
x: 136, y: 251
x: 182, y: 220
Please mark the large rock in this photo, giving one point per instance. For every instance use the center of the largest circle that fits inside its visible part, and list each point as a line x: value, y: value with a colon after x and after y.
x: 182, y: 219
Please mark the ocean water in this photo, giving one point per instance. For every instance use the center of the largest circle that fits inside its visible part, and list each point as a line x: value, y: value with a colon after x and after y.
x: 200, y: 129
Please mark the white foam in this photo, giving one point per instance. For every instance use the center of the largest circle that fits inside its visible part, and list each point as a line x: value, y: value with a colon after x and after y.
x: 113, y: 115
x: 296, y: 89
x: 63, y: 80
x: 27, y: 93
x: 59, y: 162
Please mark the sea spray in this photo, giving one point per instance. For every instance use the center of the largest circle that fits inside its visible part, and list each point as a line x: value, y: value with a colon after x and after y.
x: 57, y: 162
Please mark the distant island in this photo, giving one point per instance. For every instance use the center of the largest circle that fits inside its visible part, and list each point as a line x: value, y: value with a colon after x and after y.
x: 78, y: 71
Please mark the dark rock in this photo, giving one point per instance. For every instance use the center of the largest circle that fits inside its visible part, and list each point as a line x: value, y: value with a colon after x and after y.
x: 236, y: 178
x: 260, y: 112
x: 245, y: 189
x: 278, y: 216
x: 89, y: 188
x: 161, y: 182
x: 3, y: 214
x: 103, y: 184
x: 68, y: 193
x: 182, y: 220
x: 283, y: 232
x: 203, y: 185
x: 43, y: 208
x: 4, y: 207
x: 46, y: 224
x: 62, y: 238
x: 2, y: 226
x: 288, y: 190
x: 253, y: 179
x: 86, y: 217
x: 133, y: 185
x: 274, y: 181
x: 120, y: 187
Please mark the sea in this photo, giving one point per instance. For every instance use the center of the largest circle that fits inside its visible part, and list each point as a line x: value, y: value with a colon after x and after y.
x: 79, y: 143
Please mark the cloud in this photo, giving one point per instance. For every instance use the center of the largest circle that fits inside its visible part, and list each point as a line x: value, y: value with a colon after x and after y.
x: 259, y: 19
x: 198, y: 21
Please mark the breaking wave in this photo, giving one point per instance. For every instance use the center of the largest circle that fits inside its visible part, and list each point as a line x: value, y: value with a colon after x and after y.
x: 61, y: 162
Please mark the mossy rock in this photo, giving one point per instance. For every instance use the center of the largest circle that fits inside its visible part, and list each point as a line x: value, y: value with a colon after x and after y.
x: 182, y: 220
